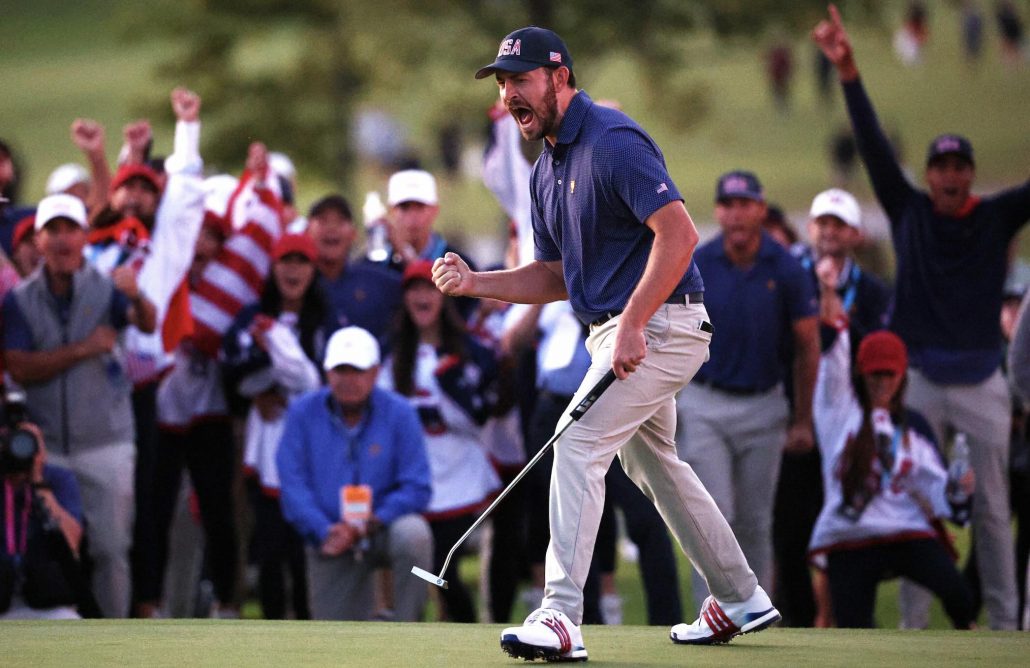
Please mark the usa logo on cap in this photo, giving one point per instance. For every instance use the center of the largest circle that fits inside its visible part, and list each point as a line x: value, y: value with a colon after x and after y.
x: 735, y: 184
x: 948, y: 144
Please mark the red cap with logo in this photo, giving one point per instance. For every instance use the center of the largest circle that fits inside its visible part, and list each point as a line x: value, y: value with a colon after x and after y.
x: 882, y: 351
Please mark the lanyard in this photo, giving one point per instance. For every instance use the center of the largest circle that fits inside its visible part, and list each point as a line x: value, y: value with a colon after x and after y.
x: 849, y: 294
x: 888, y: 471
x: 353, y: 437
x: 435, y: 248
x: 848, y: 299
x: 12, y: 531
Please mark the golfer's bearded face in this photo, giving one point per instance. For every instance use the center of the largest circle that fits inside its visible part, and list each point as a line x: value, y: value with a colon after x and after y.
x: 531, y: 99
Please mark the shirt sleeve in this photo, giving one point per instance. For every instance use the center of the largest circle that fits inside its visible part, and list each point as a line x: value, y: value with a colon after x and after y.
x: 889, y: 182
x: 17, y: 335
x: 631, y: 168
x: 1014, y: 207
x: 298, y: 497
x: 802, y: 301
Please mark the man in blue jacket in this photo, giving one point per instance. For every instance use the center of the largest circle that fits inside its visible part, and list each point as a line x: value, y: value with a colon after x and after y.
x: 952, y: 255
x: 355, y: 477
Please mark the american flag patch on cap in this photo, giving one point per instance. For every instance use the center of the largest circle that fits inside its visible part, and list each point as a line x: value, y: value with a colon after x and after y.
x: 555, y: 57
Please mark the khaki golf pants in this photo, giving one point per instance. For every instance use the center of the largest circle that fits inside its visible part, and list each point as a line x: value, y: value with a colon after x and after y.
x: 983, y: 411
x: 636, y: 419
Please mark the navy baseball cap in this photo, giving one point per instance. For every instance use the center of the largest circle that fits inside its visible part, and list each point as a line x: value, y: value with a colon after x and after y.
x: 527, y: 49
x: 739, y: 183
x: 950, y: 145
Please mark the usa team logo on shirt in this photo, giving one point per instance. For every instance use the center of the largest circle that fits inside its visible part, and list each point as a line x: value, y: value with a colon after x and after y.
x: 555, y: 57
x: 662, y: 189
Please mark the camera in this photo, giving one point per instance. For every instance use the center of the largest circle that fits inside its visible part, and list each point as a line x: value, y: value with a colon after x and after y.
x: 18, y: 446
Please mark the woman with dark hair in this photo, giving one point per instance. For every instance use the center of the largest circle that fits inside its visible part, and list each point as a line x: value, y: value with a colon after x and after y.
x: 272, y: 354
x: 451, y: 380
x: 886, y: 487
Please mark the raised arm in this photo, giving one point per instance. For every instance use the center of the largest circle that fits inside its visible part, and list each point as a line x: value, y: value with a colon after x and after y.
x: 88, y: 135
x: 181, y: 210
x: 888, y: 179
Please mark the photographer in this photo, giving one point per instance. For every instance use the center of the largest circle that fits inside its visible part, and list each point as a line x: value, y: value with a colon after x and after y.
x: 39, y: 569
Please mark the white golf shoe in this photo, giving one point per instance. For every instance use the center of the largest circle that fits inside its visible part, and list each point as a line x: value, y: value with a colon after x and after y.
x: 721, y: 622
x: 546, y: 634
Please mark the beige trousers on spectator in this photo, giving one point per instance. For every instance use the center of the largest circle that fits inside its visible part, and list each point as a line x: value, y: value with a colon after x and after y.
x: 343, y: 587
x: 105, y: 477
x: 636, y: 418
x: 984, y: 413
x: 735, y: 444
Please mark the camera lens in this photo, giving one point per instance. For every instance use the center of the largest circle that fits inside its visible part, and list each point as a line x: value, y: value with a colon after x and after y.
x: 22, y: 445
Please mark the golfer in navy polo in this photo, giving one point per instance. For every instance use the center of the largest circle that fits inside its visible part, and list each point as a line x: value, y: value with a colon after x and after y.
x: 613, y: 237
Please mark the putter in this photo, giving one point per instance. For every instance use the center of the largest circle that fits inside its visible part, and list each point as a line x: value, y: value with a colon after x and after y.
x: 576, y: 413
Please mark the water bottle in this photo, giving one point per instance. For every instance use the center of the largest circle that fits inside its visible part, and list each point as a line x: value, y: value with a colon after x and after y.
x: 957, y: 469
x: 374, y: 213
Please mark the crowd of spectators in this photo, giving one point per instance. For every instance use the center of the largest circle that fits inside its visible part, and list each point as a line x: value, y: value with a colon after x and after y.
x: 341, y: 420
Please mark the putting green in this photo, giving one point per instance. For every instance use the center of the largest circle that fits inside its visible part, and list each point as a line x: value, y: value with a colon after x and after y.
x: 264, y: 643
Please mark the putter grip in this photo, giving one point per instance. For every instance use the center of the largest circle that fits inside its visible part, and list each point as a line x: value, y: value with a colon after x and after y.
x: 595, y: 392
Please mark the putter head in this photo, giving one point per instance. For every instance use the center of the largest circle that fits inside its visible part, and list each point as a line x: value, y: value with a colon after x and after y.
x: 429, y: 577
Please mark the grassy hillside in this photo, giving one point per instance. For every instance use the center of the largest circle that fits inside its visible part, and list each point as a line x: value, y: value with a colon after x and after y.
x: 63, y: 59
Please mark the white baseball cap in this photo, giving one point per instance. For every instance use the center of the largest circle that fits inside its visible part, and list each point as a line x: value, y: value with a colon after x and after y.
x: 839, y: 203
x: 411, y: 185
x: 64, y: 177
x: 60, y: 206
x: 351, y: 346
x: 281, y: 164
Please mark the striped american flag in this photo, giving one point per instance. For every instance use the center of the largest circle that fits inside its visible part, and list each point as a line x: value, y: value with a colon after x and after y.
x: 236, y: 276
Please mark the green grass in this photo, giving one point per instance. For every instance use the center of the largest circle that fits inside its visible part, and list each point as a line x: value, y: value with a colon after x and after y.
x: 224, y: 643
x: 628, y: 584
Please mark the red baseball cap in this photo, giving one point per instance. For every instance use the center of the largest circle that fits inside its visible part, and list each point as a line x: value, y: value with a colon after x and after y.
x: 882, y: 351
x: 126, y: 172
x: 417, y: 270
x: 24, y: 230
x: 294, y: 243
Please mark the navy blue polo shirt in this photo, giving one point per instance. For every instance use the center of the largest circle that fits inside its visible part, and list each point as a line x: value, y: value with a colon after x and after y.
x: 753, y: 311
x: 365, y: 294
x: 592, y: 192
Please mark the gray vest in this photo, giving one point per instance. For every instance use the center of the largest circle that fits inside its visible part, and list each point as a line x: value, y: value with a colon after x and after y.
x: 87, y: 405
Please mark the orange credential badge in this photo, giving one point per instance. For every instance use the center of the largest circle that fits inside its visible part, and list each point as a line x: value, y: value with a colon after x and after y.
x: 356, y: 504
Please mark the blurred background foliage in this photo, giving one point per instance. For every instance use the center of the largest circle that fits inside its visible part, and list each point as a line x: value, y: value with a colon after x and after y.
x: 350, y: 90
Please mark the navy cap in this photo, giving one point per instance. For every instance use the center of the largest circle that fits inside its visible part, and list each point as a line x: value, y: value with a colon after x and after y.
x: 950, y: 145
x: 527, y: 49
x: 739, y: 184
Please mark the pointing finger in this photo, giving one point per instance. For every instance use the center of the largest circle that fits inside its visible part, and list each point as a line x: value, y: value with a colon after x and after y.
x: 835, y: 16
